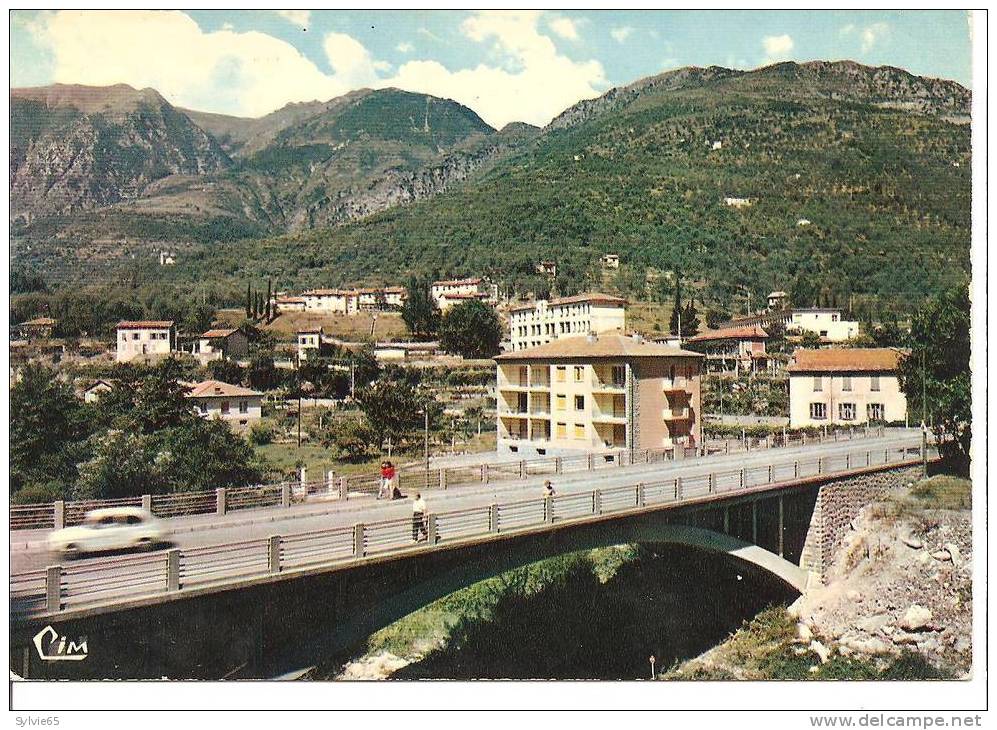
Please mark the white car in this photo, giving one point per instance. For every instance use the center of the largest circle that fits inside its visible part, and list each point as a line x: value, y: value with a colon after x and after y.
x: 114, y: 528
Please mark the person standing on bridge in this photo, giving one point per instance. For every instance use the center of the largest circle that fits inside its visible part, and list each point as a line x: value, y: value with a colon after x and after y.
x: 548, y: 489
x: 387, y: 480
x: 419, y: 518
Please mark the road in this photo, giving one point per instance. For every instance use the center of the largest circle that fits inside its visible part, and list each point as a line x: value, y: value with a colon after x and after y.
x: 28, y: 551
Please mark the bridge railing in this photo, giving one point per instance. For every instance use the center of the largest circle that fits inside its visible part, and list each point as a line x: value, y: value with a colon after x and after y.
x: 59, y: 588
x: 411, y: 478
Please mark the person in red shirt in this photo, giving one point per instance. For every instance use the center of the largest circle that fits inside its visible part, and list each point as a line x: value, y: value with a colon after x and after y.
x: 387, y: 480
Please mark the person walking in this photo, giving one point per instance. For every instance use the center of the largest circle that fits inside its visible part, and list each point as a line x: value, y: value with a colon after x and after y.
x: 419, y: 518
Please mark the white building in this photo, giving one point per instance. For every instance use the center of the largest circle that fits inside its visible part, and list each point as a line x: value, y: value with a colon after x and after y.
x: 826, y: 323
x: 144, y: 339
x: 308, y: 340
x: 448, y: 293
x: 848, y: 386
x: 286, y: 303
x: 532, y: 325
x: 777, y: 300
x: 338, y: 301
x: 239, y: 407
x: 610, y: 261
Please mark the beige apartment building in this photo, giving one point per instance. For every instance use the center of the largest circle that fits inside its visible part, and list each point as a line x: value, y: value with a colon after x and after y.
x: 845, y: 387
x: 145, y: 339
x: 447, y: 294
x: 597, y: 393
x: 542, y: 321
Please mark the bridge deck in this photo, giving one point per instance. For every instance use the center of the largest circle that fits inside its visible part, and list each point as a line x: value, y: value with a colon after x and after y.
x: 204, y: 561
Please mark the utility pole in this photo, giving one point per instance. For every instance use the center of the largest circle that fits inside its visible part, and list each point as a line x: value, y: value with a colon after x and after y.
x: 426, y: 438
x: 924, y: 419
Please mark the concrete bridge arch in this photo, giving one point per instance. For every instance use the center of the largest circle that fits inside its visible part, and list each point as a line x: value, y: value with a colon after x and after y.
x: 500, y: 557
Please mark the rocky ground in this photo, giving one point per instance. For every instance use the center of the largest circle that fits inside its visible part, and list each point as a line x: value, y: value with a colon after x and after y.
x: 900, y: 588
x: 902, y: 579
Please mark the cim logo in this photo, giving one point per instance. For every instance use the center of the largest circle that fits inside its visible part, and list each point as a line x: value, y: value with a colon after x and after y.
x: 55, y: 648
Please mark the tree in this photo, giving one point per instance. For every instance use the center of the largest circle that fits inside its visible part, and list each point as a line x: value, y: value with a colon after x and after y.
x: 269, y: 311
x: 935, y: 375
x: 675, y: 319
x: 262, y: 374
x: 472, y: 330
x: 690, y: 319
x: 46, y: 420
x: 226, y: 371
x: 420, y: 313
x: 810, y: 340
x: 715, y: 316
x: 351, y: 439
x: 249, y: 300
x: 393, y: 410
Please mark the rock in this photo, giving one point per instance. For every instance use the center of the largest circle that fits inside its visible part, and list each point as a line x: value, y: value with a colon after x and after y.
x: 845, y: 650
x: 923, y: 558
x: 803, y: 633
x: 905, y: 638
x: 795, y: 608
x: 912, y: 542
x: 954, y: 555
x: 916, y: 617
x: 868, y: 646
x: 872, y: 624
x: 961, y: 645
x: 814, y: 669
x: 820, y: 650
x: 941, y: 555
x: 854, y: 596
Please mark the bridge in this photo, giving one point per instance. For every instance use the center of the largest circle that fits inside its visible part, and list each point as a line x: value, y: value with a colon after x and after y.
x: 343, y: 570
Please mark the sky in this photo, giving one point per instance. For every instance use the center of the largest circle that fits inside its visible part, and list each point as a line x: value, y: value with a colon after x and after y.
x: 506, y: 65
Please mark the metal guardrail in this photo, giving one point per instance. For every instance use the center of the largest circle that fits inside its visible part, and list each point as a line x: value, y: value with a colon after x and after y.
x: 411, y: 477
x: 59, y: 588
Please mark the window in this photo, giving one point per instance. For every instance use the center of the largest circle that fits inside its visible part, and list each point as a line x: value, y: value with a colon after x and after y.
x: 135, y: 335
x: 579, y: 373
x: 874, y: 383
x: 619, y: 376
x: 203, y: 407
x: 823, y: 333
x: 579, y: 430
x: 561, y: 402
x: 562, y: 373
x: 846, y: 382
x: 818, y: 383
x: 834, y: 317
x: 243, y: 406
x: 225, y: 407
x: 562, y: 430
x: 579, y: 402
x: 818, y: 411
x: 876, y: 412
x: 846, y: 411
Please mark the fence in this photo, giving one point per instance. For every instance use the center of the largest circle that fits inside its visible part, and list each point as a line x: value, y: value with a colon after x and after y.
x: 411, y: 477
x: 58, y: 588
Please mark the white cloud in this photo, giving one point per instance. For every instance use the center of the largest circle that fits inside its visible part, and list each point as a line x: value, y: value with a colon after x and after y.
x: 405, y: 47
x: 564, y: 27
x: 777, y: 47
x: 300, y: 18
x: 621, y: 34
x: 870, y: 36
x: 253, y: 73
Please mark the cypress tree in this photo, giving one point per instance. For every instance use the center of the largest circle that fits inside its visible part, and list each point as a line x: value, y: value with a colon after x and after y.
x: 249, y: 300
x: 673, y: 322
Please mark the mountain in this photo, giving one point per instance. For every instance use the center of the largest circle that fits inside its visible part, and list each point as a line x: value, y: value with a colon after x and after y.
x: 76, y: 148
x: 305, y: 165
x: 830, y: 179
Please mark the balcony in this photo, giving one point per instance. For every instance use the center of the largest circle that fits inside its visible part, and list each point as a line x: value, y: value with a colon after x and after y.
x: 608, y: 386
x: 678, y: 386
x: 675, y: 414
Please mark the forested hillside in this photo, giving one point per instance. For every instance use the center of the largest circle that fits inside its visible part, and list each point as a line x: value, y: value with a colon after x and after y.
x: 852, y: 180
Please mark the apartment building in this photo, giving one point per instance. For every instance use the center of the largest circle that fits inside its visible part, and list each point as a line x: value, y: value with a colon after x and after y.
x: 845, y: 386
x: 145, y: 339
x: 597, y: 393
x: 239, y: 407
x: 542, y: 321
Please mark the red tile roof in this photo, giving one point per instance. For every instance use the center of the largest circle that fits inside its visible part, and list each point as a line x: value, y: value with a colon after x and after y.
x: 149, y: 324
x: 753, y: 332
x: 458, y: 282
x: 604, y: 345
x: 213, y: 388
x: 855, y: 359
x: 220, y: 332
x: 591, y: 298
